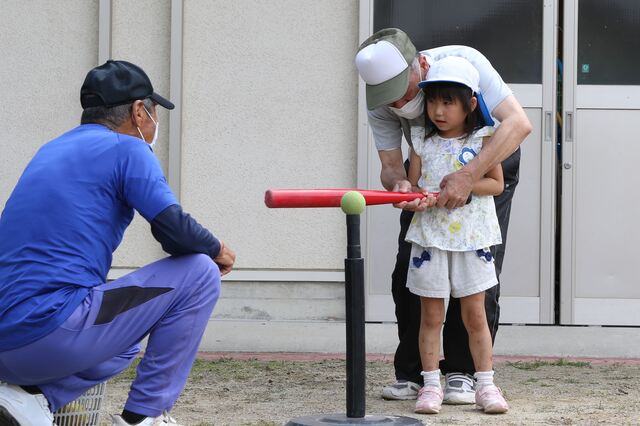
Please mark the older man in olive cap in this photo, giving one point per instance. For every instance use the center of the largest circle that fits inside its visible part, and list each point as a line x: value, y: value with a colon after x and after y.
x: 391, y: 67
x: 63, y: 327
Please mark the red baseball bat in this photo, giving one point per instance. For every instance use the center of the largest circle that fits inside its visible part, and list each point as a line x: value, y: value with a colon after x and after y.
x: 289, y: 198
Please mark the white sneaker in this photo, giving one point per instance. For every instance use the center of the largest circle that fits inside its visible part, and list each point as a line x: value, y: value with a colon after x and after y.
x: 163, y: 419
x: 19, y: 408
x: 401, y: 390
x: 459, y: 388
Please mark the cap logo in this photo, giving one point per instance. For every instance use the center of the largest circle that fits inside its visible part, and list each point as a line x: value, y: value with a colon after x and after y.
x: 380, y: 62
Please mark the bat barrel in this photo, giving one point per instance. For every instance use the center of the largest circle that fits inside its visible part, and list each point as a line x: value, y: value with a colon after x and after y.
x: 305, y: 198
x: 301, y: 198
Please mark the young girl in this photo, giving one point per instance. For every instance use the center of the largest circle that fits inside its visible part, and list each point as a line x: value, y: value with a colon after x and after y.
x: 450, y: 251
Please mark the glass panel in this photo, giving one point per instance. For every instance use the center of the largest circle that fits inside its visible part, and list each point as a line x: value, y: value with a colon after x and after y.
x: 507, y: 32
x: 609, y: 42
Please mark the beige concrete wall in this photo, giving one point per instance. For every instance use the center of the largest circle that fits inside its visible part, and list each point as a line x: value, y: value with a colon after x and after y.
x: 140, y: 33
x: 46, y: 49
x: 269, y: 100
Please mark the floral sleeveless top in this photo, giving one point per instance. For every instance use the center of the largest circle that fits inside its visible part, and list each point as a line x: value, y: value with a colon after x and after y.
x: 471, y: 227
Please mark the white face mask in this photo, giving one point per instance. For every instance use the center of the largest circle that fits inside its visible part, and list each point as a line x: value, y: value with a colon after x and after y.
x: 155, y: 133
x: 412, y: 109
x: 415, y: 107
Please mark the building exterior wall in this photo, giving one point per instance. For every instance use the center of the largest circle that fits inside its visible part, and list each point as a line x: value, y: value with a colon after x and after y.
x: 41, y: 71
x: 140, y: 33
x: 269, y: 100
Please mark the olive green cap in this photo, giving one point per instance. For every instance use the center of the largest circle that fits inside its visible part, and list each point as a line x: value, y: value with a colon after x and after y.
x: 384, y: 63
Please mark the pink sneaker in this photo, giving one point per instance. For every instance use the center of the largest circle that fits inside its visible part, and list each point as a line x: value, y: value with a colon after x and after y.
x: 429, y: 400
x: 490, y: 399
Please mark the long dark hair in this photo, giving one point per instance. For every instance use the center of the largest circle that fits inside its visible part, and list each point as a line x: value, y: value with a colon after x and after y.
x: 449, y: 92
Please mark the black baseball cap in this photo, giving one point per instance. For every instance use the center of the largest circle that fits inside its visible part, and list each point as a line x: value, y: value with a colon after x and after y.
x: 117, y: 83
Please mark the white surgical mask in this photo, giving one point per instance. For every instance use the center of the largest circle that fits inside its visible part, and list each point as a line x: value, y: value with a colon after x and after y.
x: 155, y: 133
x: 412, y: 109
x: 415, y: 107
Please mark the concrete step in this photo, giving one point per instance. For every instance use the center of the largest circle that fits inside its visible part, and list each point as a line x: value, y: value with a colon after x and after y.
x: 318, y: 301
x: 329, y: 336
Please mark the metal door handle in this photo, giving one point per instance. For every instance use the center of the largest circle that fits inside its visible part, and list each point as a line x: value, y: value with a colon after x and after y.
x: 547, y: 126
x: 568, y: 127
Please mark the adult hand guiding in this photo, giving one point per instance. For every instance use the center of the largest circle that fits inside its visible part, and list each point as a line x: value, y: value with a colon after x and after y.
x: 455, y: 189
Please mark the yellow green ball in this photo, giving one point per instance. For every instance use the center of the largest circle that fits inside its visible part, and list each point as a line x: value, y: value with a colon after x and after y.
x: 352, y: 202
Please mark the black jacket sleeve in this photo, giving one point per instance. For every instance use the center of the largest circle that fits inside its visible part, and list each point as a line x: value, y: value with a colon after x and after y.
x: 179, y: 233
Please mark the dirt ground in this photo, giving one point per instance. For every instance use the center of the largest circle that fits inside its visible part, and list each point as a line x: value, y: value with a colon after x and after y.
x: 270, y: 390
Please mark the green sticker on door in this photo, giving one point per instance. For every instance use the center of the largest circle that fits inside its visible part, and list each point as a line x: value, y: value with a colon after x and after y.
x: 585, y: 68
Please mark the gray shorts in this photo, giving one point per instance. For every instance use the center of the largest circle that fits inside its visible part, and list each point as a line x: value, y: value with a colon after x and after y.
x: 439, y: 274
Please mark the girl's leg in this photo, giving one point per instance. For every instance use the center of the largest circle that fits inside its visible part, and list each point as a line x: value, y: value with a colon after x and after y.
x: 431, y: 318
x: 475, y: 321
x: 432, y: 314
x: 488, y: 395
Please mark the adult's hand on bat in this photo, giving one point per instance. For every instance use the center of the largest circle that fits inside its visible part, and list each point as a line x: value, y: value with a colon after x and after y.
x: 455, y: 189
x: 225, y: 259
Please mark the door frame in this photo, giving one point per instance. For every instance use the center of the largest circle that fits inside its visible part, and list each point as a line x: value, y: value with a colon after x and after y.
x: 573, y: 309
x: 380, y: 308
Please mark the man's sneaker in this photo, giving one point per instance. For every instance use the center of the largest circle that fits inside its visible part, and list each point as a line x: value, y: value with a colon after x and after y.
x: 429, y: 400
x: 489, y: 398
x: 459, y: 388
x: 162, y: 420
x: 401, y: 390
x: 18, y: 407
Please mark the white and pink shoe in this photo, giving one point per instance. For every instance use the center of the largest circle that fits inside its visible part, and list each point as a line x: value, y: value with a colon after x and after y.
x: 429, y: 400
x: 489, y: 398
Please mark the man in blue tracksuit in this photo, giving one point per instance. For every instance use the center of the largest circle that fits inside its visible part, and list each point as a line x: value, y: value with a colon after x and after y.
x: 63, y: 327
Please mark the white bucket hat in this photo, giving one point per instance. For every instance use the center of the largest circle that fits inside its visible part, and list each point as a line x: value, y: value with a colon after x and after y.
x: 454, y: 69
